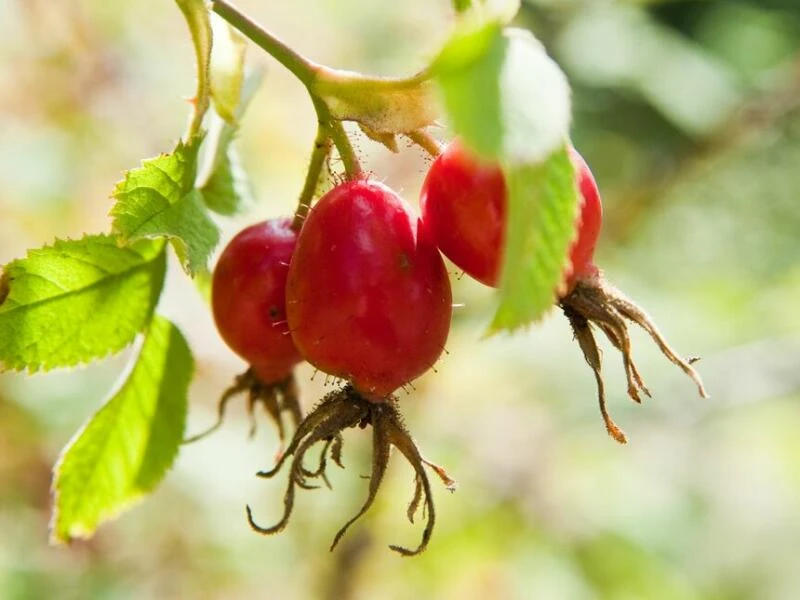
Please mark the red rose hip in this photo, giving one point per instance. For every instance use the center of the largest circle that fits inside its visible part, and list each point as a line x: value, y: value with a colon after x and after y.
x: 248, y: 297
x: 368, y: 298
x: 464, y: 204
x: 248, y: 301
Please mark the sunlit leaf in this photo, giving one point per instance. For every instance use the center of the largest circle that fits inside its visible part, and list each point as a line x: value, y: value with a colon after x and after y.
x: 503, y: 95
x: 223, y: 181
x: 227, y: 68
x: 158, y: 200
x: 542, y: 206
x: 126, y: 447
x: 77, y: 300
x: 228, y: 191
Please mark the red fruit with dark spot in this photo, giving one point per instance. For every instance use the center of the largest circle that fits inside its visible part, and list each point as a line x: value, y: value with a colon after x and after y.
x: 368, y: 298
x: 248, y: 298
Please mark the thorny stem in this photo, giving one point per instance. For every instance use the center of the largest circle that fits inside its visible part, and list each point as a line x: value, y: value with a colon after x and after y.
x: 311, y: 74
x: 202, y: 96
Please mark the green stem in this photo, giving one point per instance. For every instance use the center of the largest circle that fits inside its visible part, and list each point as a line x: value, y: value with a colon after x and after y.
x: 302, y: 68
x: 351, y: 165
x: 317, y: 78
x: 201, y: 40
x: 322, y: 147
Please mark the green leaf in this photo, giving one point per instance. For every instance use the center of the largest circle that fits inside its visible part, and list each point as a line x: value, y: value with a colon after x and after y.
x: 542, y: 208
x: 126, y: 447
x: 202, y: 283
x: 227, y: 68
x: 196, y: 15
x: 223, y: 181
x: 77, y: 300
x: 158, y: 200
x: 504, y: 96
x: 228, y: 192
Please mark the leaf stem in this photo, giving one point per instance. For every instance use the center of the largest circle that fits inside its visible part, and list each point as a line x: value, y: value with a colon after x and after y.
x: 304, y: 69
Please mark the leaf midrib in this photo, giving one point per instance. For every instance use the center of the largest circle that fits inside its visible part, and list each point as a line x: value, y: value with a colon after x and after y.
x: 143, y: 266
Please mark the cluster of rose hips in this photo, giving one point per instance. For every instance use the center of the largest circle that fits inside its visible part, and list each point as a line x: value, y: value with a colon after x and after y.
x: 360, y: 291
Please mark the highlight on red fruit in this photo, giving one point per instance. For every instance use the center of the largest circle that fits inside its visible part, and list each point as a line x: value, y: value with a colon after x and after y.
x: 368, y: 297
x: 464, y: 204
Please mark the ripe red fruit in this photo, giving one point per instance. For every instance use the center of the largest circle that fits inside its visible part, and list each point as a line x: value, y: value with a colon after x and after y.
x: 248, y: 298
x: 464, y: 204
x: 368, y: 298
x: 590, y: 220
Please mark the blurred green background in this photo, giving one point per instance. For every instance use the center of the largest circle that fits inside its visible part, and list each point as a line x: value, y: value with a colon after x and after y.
x: 688, y: 112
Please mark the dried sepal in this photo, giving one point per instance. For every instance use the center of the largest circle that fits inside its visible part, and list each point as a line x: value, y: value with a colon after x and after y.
x: 340, y: 410
x: 593, y: 302
x: 277, y: 399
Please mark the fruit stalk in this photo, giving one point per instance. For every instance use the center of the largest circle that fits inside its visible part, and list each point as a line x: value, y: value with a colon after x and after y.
x: 321, y: 151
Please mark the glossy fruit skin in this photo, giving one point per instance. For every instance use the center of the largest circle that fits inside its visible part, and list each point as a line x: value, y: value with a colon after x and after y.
x: 368, y: 297
x: 589, y: 223
x: 248, y: 298
x: 464, y: 204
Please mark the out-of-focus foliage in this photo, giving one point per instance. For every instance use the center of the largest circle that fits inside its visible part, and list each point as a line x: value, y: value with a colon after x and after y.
x: 688, y: 112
